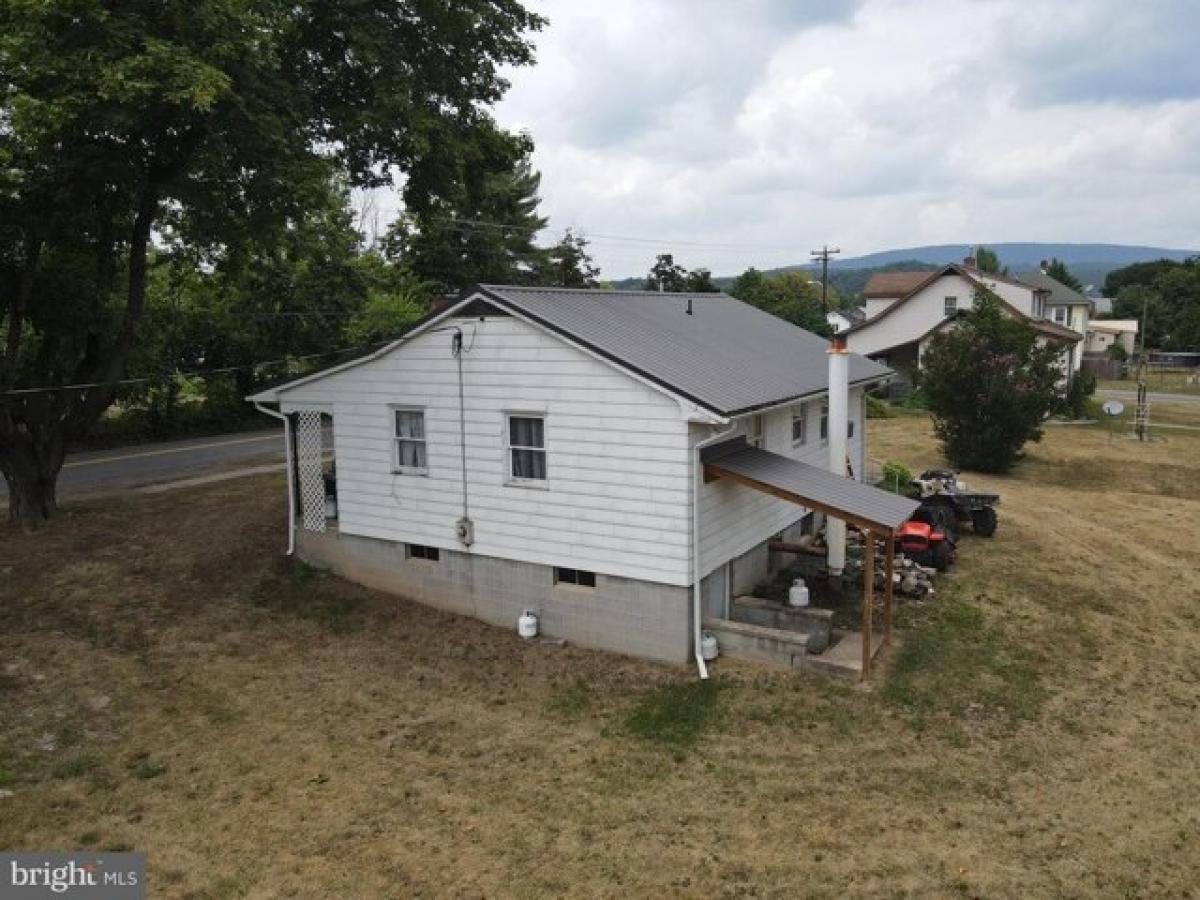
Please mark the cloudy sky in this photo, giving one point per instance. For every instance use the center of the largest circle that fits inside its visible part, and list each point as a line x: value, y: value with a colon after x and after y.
x: 748, y: 132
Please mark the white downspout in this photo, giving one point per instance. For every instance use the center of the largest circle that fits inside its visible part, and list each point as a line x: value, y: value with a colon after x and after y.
x: 839, y: 424
x: 697, y: 481
x: 287, y: 453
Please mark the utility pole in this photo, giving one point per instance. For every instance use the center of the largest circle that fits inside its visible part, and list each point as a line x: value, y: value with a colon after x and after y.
x: 823, y: 255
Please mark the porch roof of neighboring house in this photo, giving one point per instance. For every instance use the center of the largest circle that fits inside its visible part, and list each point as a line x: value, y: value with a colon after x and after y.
x: 1059, y: 294
x: 860, y: 504
x: 726, y: 356
x: 1114, y: 326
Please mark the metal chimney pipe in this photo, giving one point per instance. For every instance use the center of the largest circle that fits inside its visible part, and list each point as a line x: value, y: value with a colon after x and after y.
x: 839, y: 424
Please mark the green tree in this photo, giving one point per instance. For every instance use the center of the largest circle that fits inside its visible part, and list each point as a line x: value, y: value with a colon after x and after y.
x: 390, y: 310
x: 792, y: 296
x: 666, y: 275
x: 987, y: 260
x: 1057, y: 269
x: 989, y: 386
x: 483, y: 228
x: 204, y: 122
x: 568, y: 264
x: 1167, y: 293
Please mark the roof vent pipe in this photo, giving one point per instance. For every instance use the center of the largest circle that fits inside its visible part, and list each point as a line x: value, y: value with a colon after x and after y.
x: 839, y: 426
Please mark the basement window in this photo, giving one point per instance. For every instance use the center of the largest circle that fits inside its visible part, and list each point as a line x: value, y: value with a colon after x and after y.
x: 575, y: 577
x: 421, y: 551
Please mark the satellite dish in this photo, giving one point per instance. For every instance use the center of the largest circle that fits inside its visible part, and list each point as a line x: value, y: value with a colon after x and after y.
x: 1113, y: 408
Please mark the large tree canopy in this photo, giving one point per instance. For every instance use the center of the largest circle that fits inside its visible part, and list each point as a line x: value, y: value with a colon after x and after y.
x: 789, y: 295
x: 989, y: 386
x: 1167, y: 294
x: 206, y: 123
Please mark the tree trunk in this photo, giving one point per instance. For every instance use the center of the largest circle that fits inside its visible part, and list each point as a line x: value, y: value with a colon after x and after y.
x: 30, y: 466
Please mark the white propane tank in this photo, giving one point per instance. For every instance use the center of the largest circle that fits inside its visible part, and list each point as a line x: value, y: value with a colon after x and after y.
x: 798, y: 593
x: 527, y: 625
x: 708, y: 646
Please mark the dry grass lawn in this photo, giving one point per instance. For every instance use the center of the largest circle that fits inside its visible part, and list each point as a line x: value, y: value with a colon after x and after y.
x: 260, y: 730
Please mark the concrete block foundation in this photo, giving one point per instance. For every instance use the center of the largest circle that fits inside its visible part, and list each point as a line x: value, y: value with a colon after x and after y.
x: 620, y: 615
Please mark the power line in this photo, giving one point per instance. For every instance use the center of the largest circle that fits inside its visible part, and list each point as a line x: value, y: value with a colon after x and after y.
x: 193, y: 374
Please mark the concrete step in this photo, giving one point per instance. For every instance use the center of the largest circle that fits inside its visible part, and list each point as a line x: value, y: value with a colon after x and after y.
x: 742, y: 640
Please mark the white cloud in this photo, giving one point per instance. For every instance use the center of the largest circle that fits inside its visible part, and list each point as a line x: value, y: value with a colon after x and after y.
x: 884, y: 123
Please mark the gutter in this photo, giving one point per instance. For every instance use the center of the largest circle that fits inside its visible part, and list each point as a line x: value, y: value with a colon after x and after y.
x: 697, y: 481
x: 287, y: 452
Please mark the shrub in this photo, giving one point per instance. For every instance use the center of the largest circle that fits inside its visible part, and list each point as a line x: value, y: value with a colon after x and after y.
x: 1075, y: 401
x: 896, y: 477
x: 915, y: 400
x: 990, y: 386
x: 878, y: 409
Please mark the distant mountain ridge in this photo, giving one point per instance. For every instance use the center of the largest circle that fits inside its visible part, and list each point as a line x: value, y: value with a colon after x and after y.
x: 1019, y: 256
x: 1090, y: 263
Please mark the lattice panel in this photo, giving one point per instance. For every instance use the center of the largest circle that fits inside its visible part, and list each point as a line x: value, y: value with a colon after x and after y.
x: 308, y: 465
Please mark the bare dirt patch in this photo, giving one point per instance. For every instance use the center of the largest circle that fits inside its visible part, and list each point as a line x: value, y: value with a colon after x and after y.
x: 263, y: 730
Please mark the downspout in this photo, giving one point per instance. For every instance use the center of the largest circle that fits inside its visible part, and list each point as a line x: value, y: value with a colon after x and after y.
x: 697, y: 481
x: 287, y: 452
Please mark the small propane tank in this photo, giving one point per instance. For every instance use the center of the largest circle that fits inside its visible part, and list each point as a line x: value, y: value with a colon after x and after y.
x: 798, y: 593
x: 708, y: 646
x: 527, y: 625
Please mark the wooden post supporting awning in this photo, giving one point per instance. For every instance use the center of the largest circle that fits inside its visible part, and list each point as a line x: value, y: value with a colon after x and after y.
x: 875, y: 512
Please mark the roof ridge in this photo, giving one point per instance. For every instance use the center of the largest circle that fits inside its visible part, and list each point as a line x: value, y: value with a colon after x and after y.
x: 601, y: 291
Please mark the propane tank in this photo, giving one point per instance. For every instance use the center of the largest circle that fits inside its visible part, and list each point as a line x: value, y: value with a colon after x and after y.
x: 708, y: 646
x: 798, y: 593
x: 527, y: 624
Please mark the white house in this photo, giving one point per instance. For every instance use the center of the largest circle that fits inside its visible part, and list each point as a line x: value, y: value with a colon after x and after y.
x: 540, y: 448
x: 838, y: 320
x: 1104, y: 333
x: 905, y: 309
x: 1063, y: 306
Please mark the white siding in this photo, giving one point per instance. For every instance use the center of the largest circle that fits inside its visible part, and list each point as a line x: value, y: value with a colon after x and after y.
x: 735, y: 518
x: 875, y: 305
x: 617, y: 498
x: 914, y: 317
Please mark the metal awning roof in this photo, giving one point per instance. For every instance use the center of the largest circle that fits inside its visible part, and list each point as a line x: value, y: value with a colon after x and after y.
x: 815, y: 488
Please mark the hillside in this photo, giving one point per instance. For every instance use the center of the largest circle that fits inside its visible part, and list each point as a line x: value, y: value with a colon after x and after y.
x: 1090, y: 262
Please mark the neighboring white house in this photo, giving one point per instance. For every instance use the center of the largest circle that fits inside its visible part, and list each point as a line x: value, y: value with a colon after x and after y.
x: 539, y: 448
x: 1064, y: 306
x: 905, y: 309
x: 1103, y: 333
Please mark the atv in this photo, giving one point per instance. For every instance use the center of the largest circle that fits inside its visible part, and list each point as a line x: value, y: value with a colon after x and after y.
x: 950, y: 504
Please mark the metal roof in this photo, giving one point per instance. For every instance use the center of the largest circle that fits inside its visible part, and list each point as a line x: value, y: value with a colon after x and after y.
x: 1060, y: 294
x: 808, y: 485
x: 727, y: 355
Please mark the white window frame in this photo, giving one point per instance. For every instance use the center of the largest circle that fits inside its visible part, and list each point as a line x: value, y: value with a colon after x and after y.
x: 800, y: 414
x: 1063, y: 312
x: 950, y: 305
x: 397, y: 468
x: 509, y: 477
x: 425, y: 553
x: 755, y: 426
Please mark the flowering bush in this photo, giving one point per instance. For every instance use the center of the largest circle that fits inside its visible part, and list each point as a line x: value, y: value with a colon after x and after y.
x: 989, y: 386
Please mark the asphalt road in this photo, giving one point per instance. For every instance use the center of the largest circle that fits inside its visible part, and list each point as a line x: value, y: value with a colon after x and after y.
x: 1128, y: 397
x: 101, y: 472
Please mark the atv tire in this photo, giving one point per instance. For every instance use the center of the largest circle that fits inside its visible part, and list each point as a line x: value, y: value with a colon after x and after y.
x: 984, y: 521
x: 941, y: 555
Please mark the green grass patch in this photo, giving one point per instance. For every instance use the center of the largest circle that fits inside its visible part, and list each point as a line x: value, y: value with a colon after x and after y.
x: 296, y: 589
x: 675, y: 714
x: 76, y: 766
x: 953, y: 662
x: 573, y: 700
